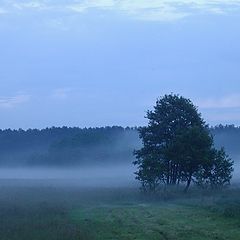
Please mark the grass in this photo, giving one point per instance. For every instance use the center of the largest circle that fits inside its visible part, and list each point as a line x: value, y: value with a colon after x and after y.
x: 170, y: 221
x: 72, y: 213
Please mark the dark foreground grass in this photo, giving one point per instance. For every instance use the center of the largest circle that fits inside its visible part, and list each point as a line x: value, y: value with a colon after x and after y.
x: 170, y: 221
x: 72, y: 213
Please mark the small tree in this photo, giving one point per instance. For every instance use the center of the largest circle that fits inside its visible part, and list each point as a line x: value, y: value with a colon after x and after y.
x: 177, y: 147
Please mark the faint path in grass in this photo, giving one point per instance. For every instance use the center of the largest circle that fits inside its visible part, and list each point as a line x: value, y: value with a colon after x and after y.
x: 155, y: 222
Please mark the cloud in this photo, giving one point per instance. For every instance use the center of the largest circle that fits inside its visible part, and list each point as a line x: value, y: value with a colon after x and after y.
x: 223, y: 117
x: 148, y: 10
x: 231, y: 101
x: 3, y: 11
x: 225, y: 110
x: 86, y: 4
x: 61, y: 93
x: 10, y: 102
x: 156, y: 10
x: 37, y: 5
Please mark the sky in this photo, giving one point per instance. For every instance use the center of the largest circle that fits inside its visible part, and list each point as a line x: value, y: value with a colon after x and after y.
x: 105, y: 62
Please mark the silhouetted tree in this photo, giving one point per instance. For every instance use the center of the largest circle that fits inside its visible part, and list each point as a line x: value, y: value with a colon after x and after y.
x: 177, y: 144
x: 189, y: 151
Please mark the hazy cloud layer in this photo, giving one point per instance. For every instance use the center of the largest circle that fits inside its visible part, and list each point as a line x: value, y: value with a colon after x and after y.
x: 150, y: 10
x: 9, y: 102
x: 231, y: 101
x: 219, y: 116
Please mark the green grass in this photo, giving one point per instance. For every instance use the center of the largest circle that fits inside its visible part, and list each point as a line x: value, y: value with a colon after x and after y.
x: 68, y: 213
x: 167, y: 221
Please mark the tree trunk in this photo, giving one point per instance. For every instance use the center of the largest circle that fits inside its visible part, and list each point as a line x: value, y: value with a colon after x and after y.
x: 188, y: 184
x: 168, y: 173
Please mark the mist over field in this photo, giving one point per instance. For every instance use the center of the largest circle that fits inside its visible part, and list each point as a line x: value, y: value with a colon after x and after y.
x: 100, y: 157
x: 105, y: 176
x: 236, y: 173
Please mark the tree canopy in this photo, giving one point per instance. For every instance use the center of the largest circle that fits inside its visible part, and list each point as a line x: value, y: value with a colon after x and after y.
x: 178, y: 148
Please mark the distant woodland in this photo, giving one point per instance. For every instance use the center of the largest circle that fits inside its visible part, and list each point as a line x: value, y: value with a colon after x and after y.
x: 88, y: 146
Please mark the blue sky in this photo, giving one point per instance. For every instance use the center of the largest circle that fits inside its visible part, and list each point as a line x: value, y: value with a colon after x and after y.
x: 97, y: 63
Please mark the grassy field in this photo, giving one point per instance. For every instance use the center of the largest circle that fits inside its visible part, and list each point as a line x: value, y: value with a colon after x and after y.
x: 38, y: 212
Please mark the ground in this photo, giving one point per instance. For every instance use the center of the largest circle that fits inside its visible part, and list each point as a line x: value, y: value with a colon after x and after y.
x: 72, y: 213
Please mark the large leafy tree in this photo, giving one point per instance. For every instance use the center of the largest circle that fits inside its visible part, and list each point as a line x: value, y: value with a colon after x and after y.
x: 177, y: 146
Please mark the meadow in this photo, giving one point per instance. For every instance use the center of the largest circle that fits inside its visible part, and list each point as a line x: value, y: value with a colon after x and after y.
x: 44, y: 210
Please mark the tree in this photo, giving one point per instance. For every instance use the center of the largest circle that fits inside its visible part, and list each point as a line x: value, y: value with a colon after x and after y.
x: 177, y: 144
x: 190, y: 150
x: 217, y: 173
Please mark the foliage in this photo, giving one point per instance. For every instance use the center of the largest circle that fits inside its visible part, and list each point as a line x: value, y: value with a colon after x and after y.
x: 216, y: 174
x: 177, y: 145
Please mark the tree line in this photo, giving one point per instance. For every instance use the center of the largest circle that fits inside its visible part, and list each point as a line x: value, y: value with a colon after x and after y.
x: 67, y: 146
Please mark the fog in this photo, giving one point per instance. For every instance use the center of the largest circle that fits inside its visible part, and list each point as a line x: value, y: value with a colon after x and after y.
x: 236, y: 173
x: 101, y: 176
x: 84, y: 157
x: 104, y: 176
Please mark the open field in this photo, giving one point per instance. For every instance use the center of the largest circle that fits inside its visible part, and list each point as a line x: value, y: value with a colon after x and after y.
x: 40, y: 211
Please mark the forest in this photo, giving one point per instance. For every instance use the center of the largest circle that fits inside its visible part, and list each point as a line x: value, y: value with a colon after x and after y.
x: 66, y: 146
